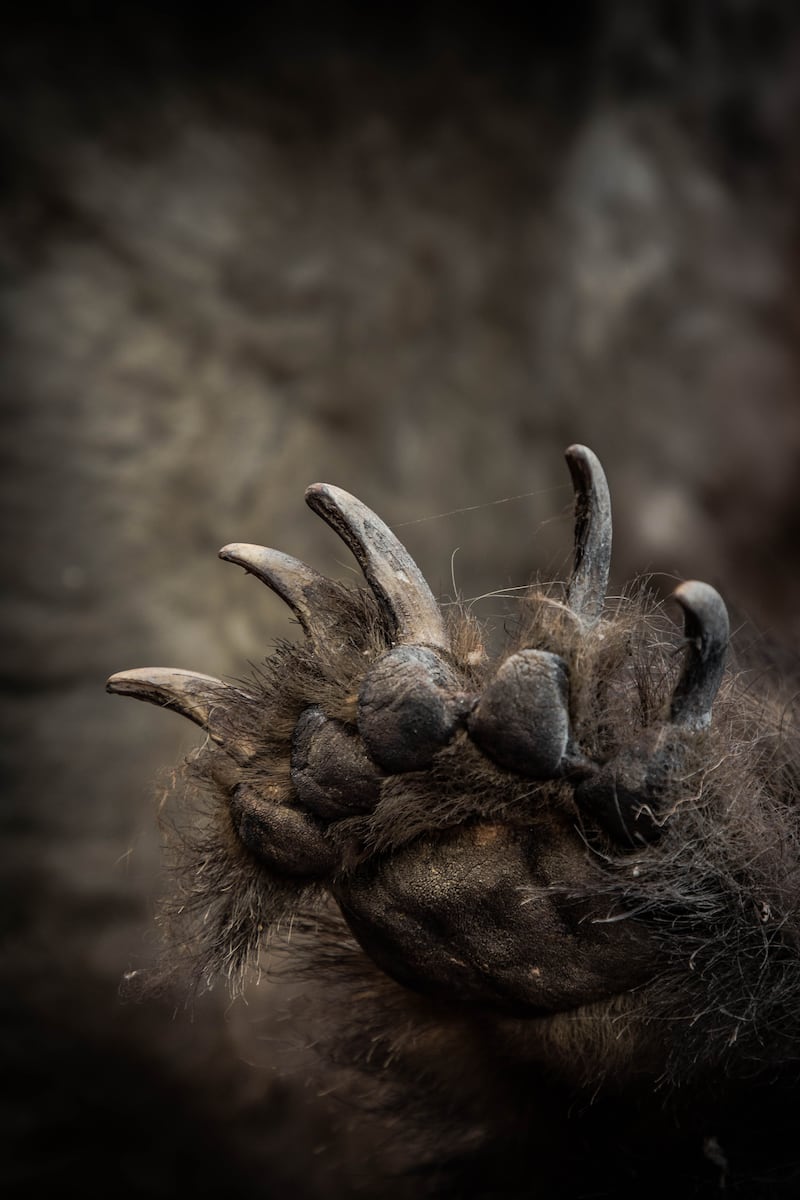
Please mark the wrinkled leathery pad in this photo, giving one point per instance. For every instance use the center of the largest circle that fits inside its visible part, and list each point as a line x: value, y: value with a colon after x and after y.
x: 409, y: 706
x: 521, y: 720
x: 332, y: 773
x: 281, y: 835
x: 344, y: 767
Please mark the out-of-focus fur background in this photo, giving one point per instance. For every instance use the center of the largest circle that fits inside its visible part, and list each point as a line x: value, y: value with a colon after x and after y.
x: 417, y: 257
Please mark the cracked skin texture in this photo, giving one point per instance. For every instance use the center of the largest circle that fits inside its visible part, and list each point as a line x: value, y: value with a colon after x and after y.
x: 467, y: 914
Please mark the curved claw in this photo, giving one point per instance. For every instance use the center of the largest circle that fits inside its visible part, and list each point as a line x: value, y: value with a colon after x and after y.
x: 586, y: 590
x: 308, y: 594
x: 707, y: 631
x: 189, y: 693
x: 405, y: 599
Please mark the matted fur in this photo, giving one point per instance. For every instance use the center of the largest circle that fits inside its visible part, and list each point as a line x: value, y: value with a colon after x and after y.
x: 718, y: 893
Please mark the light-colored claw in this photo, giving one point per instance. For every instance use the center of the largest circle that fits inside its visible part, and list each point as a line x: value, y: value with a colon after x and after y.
x: 707, y: 632
x: 309, y: 595
x: 586, y: 590
x: 406, y: 601
x: 186, y: 692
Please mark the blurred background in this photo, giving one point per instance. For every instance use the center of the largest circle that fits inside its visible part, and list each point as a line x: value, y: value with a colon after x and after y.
x: 415, y: 254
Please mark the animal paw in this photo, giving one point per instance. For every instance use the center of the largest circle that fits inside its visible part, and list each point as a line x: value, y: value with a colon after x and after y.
x: 459, y: 811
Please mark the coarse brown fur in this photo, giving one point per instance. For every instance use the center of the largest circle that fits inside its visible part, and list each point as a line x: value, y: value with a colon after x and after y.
x: 713, y: 903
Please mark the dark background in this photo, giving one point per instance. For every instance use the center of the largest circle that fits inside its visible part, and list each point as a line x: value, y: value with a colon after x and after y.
x: 416, y: 256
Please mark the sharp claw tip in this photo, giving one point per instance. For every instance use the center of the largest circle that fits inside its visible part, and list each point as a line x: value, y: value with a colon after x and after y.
x: 121, y: 683
x: 318, y: 493
x: 231, y: 553
x: 693, y: 593
x: 685, y: 590
x: 577, y: 451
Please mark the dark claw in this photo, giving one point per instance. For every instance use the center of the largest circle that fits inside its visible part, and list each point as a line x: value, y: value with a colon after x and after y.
x: 630, y: 793
x: 586, y: 591
x: 707, y: 631
x: 407, y: 603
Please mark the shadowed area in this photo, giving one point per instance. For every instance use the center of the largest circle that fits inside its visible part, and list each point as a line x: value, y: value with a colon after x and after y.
x: 415, y: 257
